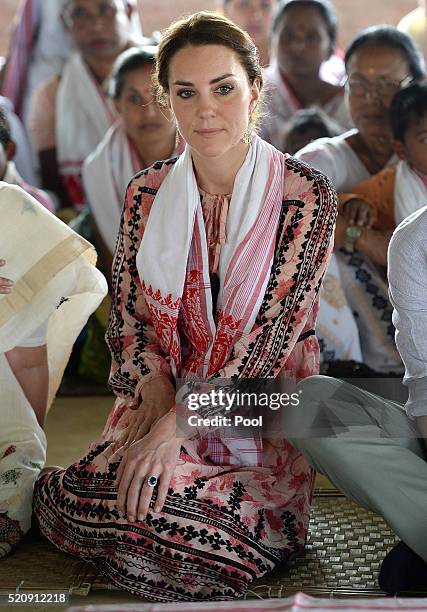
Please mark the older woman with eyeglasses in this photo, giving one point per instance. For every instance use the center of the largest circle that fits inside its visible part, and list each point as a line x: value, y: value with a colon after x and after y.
x: 71, y: 113
x: 380, y: 61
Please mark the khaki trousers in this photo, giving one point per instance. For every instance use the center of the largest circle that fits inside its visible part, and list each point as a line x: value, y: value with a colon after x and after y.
x: 369, y: 449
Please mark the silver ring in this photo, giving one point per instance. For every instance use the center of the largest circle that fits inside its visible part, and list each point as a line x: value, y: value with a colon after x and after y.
x: 152, y: 481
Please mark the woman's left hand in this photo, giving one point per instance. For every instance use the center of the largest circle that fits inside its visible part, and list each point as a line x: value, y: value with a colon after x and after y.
x: 156, y: 398
x: 156, y: 454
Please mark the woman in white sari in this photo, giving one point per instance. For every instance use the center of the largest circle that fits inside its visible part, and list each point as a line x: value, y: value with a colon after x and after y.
x: 143, y: 134
x: 49, y: 292
x: 379, y: 62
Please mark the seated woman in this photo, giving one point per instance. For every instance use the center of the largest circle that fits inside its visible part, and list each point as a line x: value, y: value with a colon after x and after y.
x: 71, y: 113
x: 49, y: 292
x: 379, y: 61
x: 303, y: 37
x: 40, y: 46
x: 144, y: 134
x: 387, y: 198
x: 220, y: 256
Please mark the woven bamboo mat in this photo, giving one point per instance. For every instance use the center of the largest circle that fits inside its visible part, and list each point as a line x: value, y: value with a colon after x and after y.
x: 345, y: 547
x: 36, y: 565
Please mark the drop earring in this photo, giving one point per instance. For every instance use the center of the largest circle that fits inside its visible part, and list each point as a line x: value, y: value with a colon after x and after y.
x: 248, y: 133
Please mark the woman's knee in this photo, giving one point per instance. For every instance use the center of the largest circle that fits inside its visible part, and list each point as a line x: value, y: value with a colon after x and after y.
x: 308, y: 418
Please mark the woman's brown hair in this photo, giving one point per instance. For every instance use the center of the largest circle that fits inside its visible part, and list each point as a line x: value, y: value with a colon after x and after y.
x: 200, y: 29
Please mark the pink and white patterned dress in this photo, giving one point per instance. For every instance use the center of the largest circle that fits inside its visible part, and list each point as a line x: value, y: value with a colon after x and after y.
x: 223, y: 525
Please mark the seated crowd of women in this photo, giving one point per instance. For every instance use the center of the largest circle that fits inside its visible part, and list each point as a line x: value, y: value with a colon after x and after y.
x: 230, y: 261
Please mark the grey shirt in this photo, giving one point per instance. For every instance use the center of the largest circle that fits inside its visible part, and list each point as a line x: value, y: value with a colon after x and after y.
x: 407, y: 272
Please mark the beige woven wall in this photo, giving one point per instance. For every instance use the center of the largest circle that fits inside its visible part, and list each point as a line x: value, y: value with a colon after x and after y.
x: 156, y: 14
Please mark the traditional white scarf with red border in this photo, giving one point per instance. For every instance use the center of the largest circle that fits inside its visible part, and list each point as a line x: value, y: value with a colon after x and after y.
x: 84, y: 115
x: 174, y: 245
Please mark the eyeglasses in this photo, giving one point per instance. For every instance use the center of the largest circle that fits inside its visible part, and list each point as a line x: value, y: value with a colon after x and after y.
x: 383, y: 88
x: 80, y: 17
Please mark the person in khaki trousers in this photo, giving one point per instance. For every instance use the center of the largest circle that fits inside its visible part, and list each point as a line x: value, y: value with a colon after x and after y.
x: 372, y: 448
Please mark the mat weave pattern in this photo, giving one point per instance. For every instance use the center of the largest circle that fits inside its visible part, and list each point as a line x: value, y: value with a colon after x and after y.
x: 345, y: 547
x: 36, y: 565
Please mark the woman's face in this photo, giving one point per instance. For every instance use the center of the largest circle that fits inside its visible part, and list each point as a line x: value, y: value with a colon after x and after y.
x: 301, y: 42
x: 375, y: 74
x: 253, y: 16
x: 211, y: 98
x: 145, y: 122
x: 100, y: 28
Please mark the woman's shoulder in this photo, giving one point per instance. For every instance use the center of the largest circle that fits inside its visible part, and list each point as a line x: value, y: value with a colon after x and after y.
x: 301, y: 177
x: 333, y: 145
x: 329, y: 155
x: 148, y: 181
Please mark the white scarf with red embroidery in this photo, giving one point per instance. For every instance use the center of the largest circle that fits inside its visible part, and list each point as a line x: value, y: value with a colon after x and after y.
x: 174, y: 248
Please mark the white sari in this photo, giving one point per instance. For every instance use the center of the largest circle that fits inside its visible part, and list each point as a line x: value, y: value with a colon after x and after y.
x: 56, y: 286
x: 84, y: 115
x: 358, y: 325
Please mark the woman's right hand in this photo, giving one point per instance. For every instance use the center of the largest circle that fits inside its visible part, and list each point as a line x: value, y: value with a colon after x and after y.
x: 358, y: 212
x: 6, y: 285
